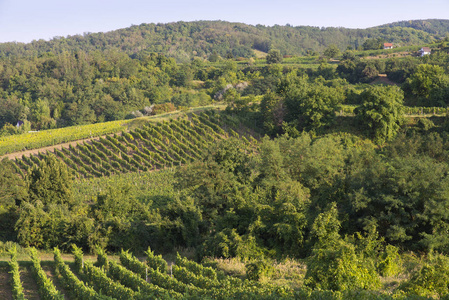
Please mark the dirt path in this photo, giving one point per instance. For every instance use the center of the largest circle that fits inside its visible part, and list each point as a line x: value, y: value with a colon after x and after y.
x: 383, y: 79
x: 49, y: 148
x: 5, y: 283
x: 30, y: 288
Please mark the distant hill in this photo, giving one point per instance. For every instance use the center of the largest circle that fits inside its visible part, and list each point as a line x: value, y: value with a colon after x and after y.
x: 436, y: 27
x: 184, y: 40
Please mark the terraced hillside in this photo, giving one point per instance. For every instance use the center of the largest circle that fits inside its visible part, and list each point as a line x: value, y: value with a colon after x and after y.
x: 150, y: 147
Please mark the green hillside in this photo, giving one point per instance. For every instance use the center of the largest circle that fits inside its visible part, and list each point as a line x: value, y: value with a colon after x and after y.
x: 184, y: 40
x: 436, y: 27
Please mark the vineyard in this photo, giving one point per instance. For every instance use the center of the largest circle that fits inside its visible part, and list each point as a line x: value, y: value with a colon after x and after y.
x: 128, y: 278
x: 151, y: 147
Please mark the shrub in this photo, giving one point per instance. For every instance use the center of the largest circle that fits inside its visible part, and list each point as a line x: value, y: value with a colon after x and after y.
x: 259, y: 269
x: 390, y: 262
x: 340, y: 268
x: 432, y: 279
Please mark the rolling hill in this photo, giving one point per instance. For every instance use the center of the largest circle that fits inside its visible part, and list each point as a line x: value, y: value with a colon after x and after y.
x: 436, y: 27
x: 184, y: 40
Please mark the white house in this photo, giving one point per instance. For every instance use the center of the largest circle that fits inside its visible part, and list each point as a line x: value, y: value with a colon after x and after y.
x: 388, y: 46
x: 424, y: 51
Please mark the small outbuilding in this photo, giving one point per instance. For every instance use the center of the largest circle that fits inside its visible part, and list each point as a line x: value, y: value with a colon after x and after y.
x: 388, y: 46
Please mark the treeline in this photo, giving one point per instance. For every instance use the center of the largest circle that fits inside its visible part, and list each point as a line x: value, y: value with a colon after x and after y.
x: 82, y: 88
x: 184, y: 40
x: 437, y: 27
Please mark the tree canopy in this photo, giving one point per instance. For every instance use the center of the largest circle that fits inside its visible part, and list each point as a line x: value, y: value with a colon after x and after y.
x: 381, y: 112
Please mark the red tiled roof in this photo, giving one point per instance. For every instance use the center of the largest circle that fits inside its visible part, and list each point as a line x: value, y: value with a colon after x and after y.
x: 388, y: 45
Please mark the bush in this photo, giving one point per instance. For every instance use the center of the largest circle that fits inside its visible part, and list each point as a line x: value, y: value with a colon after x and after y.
x: 432, y: 279
x: 425, y: 124
x: 258, y: 270
x: 390, y: 262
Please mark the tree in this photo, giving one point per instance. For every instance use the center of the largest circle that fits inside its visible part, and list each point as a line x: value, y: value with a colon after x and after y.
x: 312, y: 106
x: 425, y: 79
x: 405, y: 198
x: 373, y: 44
x: 332, y: 51
x: 50, y: 182
x: 12, y: 187
x: 12, y: 192
x: 335, y: 264
x: 274, y: 56
x: 381, y: 113
x: 273, y: 112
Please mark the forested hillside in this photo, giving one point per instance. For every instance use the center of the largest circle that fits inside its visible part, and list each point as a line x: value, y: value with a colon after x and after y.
x: 184, y: 40
x: 433, y: 26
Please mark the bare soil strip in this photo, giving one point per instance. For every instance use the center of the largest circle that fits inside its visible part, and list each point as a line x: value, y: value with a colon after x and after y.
x: 30, y: 289
x: 5, y: 283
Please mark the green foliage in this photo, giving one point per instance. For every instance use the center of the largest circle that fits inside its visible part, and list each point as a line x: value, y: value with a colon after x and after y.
x: 332, y: 51
x: 156, y: 261
x: 312, y: 106
x: 136, y: 283
x: 75, y: 287
x: 325, y: 228
x: 17, y: 288
x: 272, y: 111
x: 227, y: 243
x: 12, y: 193
x: 381, y: 112
x: 50, y: 183
x: 258, y: 270
x: 424, y: 79
x: 373, y: 44
x: 430, y: 83
x: 425, y: 124
x: 390, y: 262
x: 404, y: 198
x: 47, y: 290
x: 78, y: 255
x: 101, y: 282
x: 336, y: 264
x: 196, y: 268
x: 432, y: 279
x: 340, y: 268
x: 274, y: 57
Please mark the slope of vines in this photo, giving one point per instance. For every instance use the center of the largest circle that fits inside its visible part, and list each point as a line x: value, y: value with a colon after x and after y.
x: 150, y: 147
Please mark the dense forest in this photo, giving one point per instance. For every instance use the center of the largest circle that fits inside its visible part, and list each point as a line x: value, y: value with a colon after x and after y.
x: 185, y: 40
x: 433, y: 26
x: 315, y: 159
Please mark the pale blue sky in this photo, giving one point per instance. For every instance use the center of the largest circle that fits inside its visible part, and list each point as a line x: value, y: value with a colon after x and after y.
x: 27, y: 20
